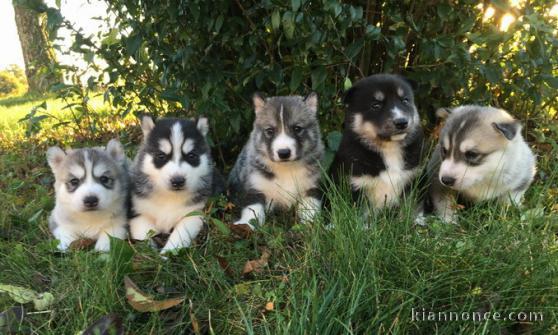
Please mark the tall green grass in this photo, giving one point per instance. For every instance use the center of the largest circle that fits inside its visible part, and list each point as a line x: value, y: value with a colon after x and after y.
x: 345, y: 274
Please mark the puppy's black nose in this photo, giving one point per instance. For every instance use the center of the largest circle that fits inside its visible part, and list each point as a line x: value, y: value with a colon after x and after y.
x: 448, y: 181
x: 177, y: 182
x: 401, y: 123
x: 284, y: 153
x: 90, y: 201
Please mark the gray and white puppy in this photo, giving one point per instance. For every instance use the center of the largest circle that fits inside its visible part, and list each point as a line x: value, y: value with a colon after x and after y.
x: 279, y: 166
x: 91, y: 186
x: 481, y: 155
x: 172, y: 178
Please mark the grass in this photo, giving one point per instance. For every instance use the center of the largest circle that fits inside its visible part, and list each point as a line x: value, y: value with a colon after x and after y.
x: 354, y: 278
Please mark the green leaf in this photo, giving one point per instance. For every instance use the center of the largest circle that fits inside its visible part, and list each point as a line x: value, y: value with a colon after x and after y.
x: 222, y: 227
x: 334, y: 139
x: 288, y: 24
x: 296, y: 79
x: 219, y: 23
x: 275, y: 20
x: 347, y: 84
x: 133, y: 43
x: 318, y: 77
x: 171, y: 95
x: 295, y: 5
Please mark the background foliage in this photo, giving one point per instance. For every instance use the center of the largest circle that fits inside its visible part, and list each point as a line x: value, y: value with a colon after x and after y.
x: 209, y: 57
x: 12, y: 81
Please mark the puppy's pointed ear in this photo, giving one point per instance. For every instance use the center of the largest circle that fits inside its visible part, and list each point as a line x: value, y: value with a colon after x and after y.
x: 508, y: 129
x: 203, y: 126
x: 55, y: 156
x: 443, y: 113
x: 311, y: 102
x: 147, y: 124
x: 259, y: 102
x: 116, y: 150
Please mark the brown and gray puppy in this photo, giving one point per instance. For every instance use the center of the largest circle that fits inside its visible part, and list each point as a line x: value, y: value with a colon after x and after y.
x: 481, y: 155
x: 91, y: 186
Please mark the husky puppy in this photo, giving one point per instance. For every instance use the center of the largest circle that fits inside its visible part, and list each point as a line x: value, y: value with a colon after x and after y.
x: 481, y: 155
x: 172, y: 177
x: 91, y: 186
x: 279, y: 166
x: 381, y: 146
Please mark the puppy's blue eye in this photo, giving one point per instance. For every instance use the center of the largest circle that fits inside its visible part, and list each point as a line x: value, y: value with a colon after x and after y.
x: 376, y: 105
x: 105, y: 180
x: 269, y: 132
x: 298, y: 130
x: 74, y: 182
x: 405, y: 101
x: 191, y: 156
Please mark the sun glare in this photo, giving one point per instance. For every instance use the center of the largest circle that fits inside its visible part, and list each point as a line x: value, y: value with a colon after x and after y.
x: 554, y: 11
x: 507, y: 20
x: 488, y: 14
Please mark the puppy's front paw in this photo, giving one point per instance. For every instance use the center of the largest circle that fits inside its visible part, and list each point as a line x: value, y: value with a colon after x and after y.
x: 103, y: 245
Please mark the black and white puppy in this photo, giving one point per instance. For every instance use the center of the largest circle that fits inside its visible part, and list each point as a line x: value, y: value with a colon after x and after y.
x: 172, y: 178
x: 279, y: 166
x: 381, y: 147
x: 481, y: 156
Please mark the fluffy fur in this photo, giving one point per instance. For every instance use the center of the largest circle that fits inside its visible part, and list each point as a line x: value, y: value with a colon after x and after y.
x: 172, y: 178
x: 91, y: 190
x: 279, y: 165
x: 481, y: 155
x: 381, y: 147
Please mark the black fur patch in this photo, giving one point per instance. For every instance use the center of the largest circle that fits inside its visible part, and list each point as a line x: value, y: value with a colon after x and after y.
x: 355, y: 156
x: 163, y: 130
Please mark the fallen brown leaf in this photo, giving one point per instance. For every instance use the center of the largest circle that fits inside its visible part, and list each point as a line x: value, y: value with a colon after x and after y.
x: 257, y: 264
x: 225, y: 266
x: 195, y: 324
x: 82, y: 244
x: 143, y: 302
x: 241, y: 230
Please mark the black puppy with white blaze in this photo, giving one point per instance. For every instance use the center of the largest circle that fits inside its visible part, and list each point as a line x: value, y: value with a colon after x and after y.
x: 172, y: 177
x: 380, y: 150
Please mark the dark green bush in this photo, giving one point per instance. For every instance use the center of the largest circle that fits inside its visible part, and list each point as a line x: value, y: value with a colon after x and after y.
x: 210, y: 56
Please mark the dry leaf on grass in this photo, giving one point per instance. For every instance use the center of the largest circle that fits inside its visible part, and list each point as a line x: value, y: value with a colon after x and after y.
x: 82, y: 244
x: 22, y: 295
x: 257, y: 264
x: 143, y: 302
x: 225, y: 266
x: 110, y: 324
x: 195, y: 324
x: 241, y: 230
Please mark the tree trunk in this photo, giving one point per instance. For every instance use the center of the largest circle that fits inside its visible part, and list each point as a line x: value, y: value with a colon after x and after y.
x: 38, y: 54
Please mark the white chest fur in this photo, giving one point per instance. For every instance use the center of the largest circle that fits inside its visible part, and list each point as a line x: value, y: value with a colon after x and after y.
x: 290, y: 182
x: 385, y: 189
x: 88, y: 224
x: 165, y: 209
